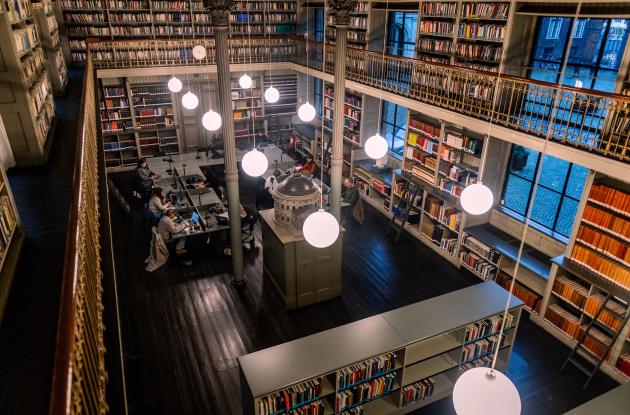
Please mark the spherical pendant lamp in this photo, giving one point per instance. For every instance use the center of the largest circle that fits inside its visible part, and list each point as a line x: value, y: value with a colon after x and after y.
x: 272, y: 95
x: 199, y: 52
x: 476, y: 199
x: 174, y: 84
x: 211, y: 120
x: 376, y: 147
x: 485, y: 391
x: 245, y: 81
x: 190, y: 100
x: 320, y: 229
x: 254, y: 163
x: 306, y: 112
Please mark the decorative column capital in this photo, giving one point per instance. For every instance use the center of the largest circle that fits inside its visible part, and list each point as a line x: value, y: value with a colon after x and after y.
x: 342, y: 10
x: 219, y: 10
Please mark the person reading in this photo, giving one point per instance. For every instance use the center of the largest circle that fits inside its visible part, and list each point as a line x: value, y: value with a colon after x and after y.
x: 349, y: 195
x: 157, y: 205
x: 310, y: 167
x: 145, y: 174
x: 167, y: 227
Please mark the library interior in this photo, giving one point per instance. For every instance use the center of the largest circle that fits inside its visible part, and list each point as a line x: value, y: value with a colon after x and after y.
x: 315, y: 207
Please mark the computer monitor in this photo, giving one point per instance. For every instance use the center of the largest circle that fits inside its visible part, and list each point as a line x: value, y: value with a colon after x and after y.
x: 195, y: 218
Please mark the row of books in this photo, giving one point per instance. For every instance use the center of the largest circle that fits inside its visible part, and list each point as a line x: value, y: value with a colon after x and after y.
x: 156, y: 112
x: 25, y: 38
x: 44, y: 120
x: 151, y: 101
x: 484, y: 361
x: 119, y: 146
x: 481, y: 52
x: 114, y: 91
x: 450, y: 187
x: 77, y: 44
x: 601, y: 218
x: 486, y: 10
x: 420, y: 390
x: 290, y: 397
x: 529, y: 297
x: 611, y: 197
x: 438, y: 9
x: 604, y: 243
x: 623, y: 363
x: 17, y: 9
x: 365, y: 370
x: 480, y: 348
x: 435, y: 233
x: 449, y: 245
x: 262, y: 18
x: 364, y: 392
x: 150, y: 123
x: 436, y: 27
x: 248, y: 114
x: 115, y: 115
x: 468, y: 144
x: 428, y: 130
x: 85, y: 18
x: 472, y: 89
x: 486, y: 327
x: 447, y: 215
x: 435, y: 45
x: 149, y: 142
x: 130, y: 17
x: 481, y: 248
x: 33, y: 63
x: 114, y: 103
x: 117, y: 126
x: 314, y: 408
x: 570, y: 290
x: 613, y: 318
x: 481, y: 31
x: 478, y: 67
x: 564, y: 320
x: 483, y: 268
x: 38, y: 93
x: 605, y: 267
x: 596, y: 341
x: 8, y: 221
x: 417, y: 167
x: 425, y: 144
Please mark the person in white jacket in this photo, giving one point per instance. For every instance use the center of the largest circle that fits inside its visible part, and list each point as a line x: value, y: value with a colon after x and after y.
x: 167, y: 227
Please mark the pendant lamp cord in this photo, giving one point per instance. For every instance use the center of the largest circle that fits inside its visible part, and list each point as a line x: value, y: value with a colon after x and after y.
x: 550, y: 129
x: 380, y: 106
x: 321, y: 172
x: 252, y: 114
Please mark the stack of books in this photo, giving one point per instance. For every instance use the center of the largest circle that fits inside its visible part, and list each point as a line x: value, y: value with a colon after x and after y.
x: 420, y: 390
x: 564, y: 320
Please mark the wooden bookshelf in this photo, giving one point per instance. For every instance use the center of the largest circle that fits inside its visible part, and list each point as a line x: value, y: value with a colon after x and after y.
x: 436, y: 30
x: 27, y: 106
x: 11, y: 239
x: 160, y: 19
x: 51, y: 44
x: 411, y: 364
x: 358, y: 31
x: 279, y: 115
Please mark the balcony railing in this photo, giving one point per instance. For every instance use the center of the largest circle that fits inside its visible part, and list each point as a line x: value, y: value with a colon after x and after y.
x: 79, y: 375
x: 589, y: 120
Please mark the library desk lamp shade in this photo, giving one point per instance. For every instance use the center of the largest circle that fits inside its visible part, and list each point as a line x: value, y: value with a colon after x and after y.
x: 211, y: 120
x: 272, y: 95
x: 245, y: 81
x: 190, y: 100
x: 320, y: 229
x: 485, y: 391
x: 174, y: 84
x: 306, y: 112
x: 255, y: 163
x: 476, y: 198
x: 376, y: 147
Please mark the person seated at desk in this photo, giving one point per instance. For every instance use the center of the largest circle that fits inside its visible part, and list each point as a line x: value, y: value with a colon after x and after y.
x: 145, y: 174
x: 167, y: 227
x: 349, y: 195
x: 310, y: 167
x: 157, y: 205
x: 272, y: 181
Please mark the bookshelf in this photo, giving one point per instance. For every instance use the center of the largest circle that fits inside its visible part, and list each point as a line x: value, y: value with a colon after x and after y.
x: 27, y: 106
x: 160, y: 19
x: 279, y: 115
x: 358, y: 30
x: 51, y: 44
x: 11, y: 238
x: 137, y: 120
x: 247, y: 106
x: 436, y: 30
x: 405, y: 364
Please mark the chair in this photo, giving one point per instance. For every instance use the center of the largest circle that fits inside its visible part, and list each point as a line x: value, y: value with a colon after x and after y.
x: 247, y: 226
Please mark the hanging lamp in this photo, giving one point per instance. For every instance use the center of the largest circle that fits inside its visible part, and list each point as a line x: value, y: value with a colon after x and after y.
x: 272, y: 95
x: 211, y: 120
x: 306, y: 112
x: 174, y: 84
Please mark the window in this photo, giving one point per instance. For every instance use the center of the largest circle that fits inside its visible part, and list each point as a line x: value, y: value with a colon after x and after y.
x: 318, y: 24
x: 558, y: 194
x: 317, y: 96
x: 401, y: 33
x: 553, y: 28
x: 394, y: 126
x: 578, y: 32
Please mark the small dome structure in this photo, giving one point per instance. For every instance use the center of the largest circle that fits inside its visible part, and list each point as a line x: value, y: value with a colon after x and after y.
x: 294, y: 198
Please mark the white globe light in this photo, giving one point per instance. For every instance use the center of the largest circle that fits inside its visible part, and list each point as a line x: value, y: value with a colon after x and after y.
x: 174, y: 84
x: 476, y: 199
x: 483, y: 391
x: 376, y: 147
x: 306, y: 112
x: 320, y: 229
x: 199, y: 52
x: 190, y: 100
x: 245, y: 81
x: 272, y: 95
x: 254, y: 163
x: 211, y: 120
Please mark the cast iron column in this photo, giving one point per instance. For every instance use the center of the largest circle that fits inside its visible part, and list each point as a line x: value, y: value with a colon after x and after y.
x: 342, y: 10
x: 220, y: 12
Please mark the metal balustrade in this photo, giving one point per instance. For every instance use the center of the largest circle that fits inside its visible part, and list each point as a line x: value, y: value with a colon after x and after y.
x: 79, y: 375
x: 589, y: 120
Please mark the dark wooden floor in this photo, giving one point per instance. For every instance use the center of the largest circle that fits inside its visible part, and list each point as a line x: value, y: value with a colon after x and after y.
x: 29, y: 329
x: 183, y: 328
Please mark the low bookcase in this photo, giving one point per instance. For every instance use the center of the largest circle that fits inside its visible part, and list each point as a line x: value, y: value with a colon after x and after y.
x: 391, y: 363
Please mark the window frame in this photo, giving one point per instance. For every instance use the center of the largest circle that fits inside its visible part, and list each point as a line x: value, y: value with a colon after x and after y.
x: 385, y: 123
x: 553, y: 231
x: 399, y: 45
